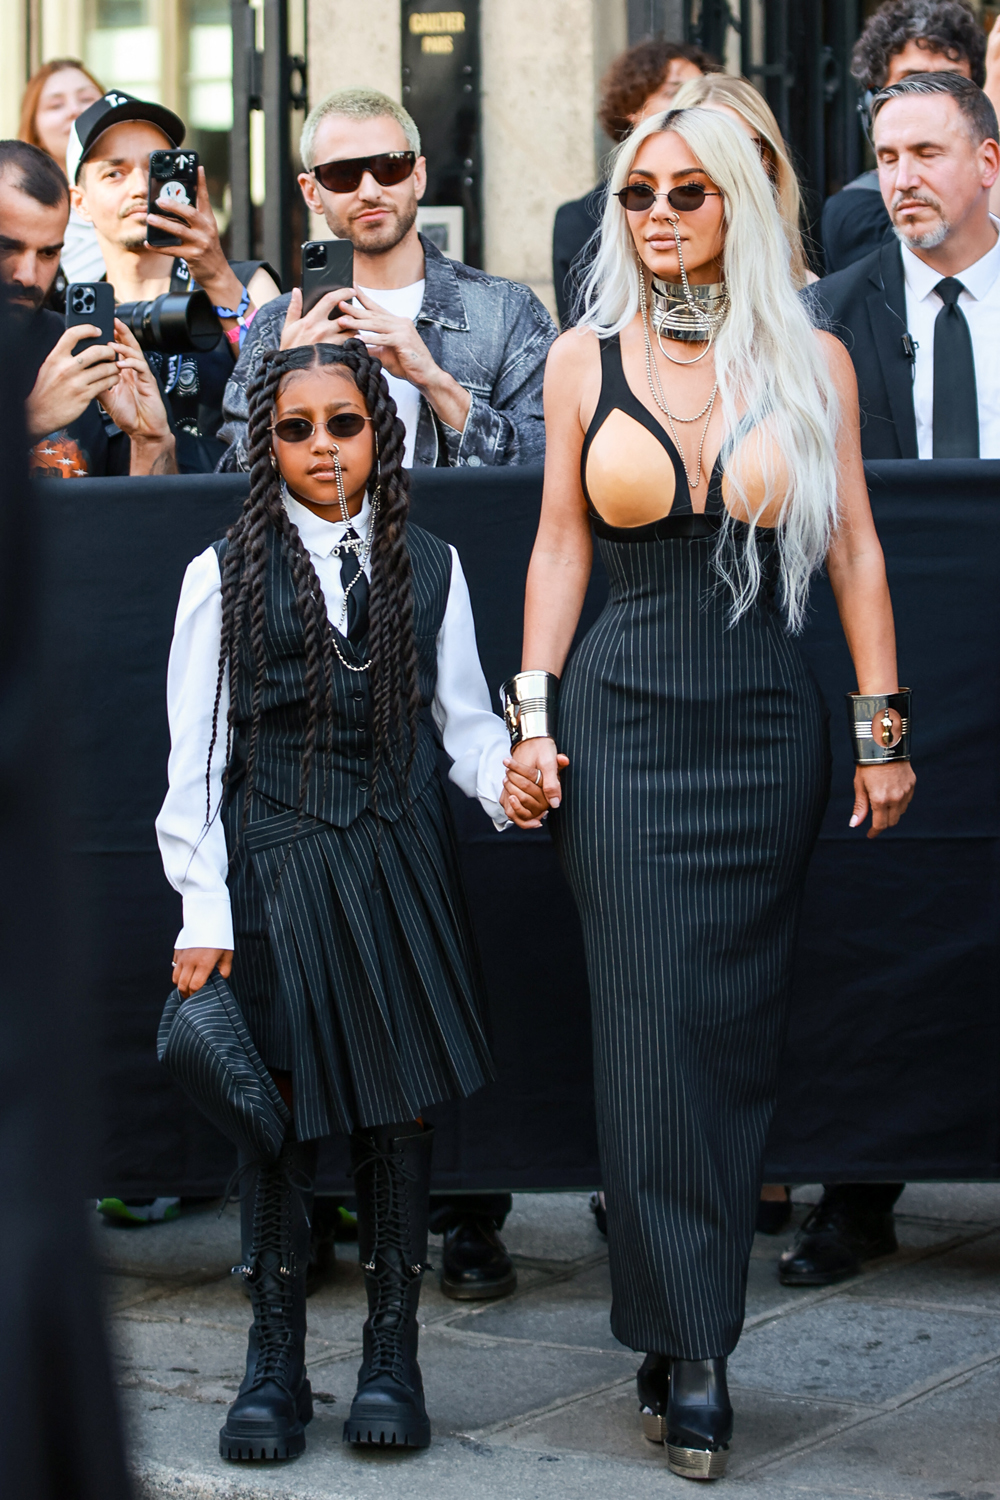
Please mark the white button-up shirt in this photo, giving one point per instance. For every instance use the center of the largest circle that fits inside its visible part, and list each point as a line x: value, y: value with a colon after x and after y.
x: 194, y: 855
x: 980, y: 303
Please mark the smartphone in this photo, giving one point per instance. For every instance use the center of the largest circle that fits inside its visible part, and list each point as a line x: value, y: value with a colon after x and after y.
x: 172, y: 175
x: 91, y: 302
x: 327, y: 265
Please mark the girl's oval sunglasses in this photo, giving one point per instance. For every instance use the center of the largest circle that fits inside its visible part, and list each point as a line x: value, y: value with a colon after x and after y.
x: 346, y: 424
x: 639, y: 197
x: 388, y: 169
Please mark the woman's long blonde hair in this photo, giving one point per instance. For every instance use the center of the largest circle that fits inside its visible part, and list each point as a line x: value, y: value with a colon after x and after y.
x: 768, y: 360
x: 740, y: 95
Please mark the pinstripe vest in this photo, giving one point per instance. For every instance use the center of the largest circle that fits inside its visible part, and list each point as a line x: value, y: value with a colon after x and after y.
x: 340, y: 784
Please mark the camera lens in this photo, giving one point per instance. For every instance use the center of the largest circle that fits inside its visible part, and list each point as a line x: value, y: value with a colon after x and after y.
x: 315, y: 257
x: 84, y: 301
x: 174, y: 323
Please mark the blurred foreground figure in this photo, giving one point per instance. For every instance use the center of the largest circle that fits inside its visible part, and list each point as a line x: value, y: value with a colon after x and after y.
x: 55, y: 1384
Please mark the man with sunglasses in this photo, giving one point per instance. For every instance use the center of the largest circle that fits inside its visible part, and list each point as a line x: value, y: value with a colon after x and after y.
x: 464, y: 352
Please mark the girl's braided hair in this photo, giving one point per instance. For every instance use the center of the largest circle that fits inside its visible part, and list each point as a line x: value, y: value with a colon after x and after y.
x: 395, y: 686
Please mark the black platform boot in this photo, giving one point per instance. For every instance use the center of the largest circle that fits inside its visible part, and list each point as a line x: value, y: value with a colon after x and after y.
x: 268, y: 1418
x: 699, y: 1418
x: 391, y: 1165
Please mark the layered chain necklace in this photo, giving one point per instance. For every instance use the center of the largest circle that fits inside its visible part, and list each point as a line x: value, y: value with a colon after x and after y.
x: 656, y: 390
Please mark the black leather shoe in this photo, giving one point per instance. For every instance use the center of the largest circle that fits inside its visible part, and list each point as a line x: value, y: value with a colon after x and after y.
x: 833, y: 1242
x: 475, y: 1265
x: 699, y: 1419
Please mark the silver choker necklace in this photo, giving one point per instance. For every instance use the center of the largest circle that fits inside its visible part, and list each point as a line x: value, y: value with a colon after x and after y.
x: 689, y: 314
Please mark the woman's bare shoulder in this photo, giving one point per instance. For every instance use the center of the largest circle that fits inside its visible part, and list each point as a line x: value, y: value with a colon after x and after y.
x: 838, y: 361
x: 575, y: 353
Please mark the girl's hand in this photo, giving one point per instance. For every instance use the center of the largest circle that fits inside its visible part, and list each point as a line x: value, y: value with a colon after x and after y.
x: 886, y: 791
x: 193, y: 967
x: 531, y: 756
x: 523, y: 799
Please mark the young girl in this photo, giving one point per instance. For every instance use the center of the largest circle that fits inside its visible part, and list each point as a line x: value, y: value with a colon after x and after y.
x: 309, y: 836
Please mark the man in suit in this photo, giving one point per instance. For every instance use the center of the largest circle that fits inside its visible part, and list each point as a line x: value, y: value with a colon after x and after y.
x: 901, y: 38
x: 921, y: 319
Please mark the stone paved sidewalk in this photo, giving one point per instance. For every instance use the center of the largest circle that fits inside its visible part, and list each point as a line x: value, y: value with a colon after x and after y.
x: 887, y: 1387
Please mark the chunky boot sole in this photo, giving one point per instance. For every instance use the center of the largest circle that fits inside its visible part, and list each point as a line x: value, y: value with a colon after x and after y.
x: 697, y: 1463
x: 247, y: 1447
x: 386, y: 1429
x: 654, y: 1425
x: 483, y: 1291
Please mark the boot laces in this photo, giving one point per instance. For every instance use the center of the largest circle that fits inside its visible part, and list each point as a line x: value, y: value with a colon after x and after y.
x: 271, y: 1270
x: 389, y: 1266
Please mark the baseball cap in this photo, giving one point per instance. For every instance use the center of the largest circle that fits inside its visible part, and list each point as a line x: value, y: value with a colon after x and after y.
x: 112, y: 109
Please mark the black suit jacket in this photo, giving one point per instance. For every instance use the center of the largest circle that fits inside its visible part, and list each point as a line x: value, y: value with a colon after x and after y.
x: 574, y: 227
x: 865, y: 306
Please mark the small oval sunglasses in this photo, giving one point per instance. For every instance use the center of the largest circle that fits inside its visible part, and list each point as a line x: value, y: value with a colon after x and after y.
x: 388, y: 169
x: 639, y: 197
x: 345, y: 424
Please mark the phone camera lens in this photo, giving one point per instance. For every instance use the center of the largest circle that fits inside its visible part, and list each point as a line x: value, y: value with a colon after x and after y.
x: 316, y: 257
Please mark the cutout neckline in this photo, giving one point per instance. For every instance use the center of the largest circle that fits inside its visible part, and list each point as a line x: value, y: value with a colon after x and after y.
x: 616, y: 394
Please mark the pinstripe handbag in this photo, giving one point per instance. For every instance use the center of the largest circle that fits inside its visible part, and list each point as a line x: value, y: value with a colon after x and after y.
x: 203, y: 1042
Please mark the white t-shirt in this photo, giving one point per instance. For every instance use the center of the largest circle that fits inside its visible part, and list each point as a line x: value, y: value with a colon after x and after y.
x: 402, y: 302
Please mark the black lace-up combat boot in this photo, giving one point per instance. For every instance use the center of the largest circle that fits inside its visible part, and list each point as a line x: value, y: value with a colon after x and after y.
x: 392, y: 1172
x: 267, y: 1419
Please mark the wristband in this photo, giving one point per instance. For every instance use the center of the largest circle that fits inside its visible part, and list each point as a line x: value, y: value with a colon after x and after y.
x: 880, y: 726
x: 235, y: 312
x: 238, y: 334
x: 529, y: 706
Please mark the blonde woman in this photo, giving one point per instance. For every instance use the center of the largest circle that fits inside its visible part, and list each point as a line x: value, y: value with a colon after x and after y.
x: 738, y: 99
x: 707, y: 434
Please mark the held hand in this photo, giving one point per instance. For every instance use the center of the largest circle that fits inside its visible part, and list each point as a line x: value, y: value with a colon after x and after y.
x: 193, y: 967
x: 884, y: 790
x: 528, y: 758
x: 522, y: 798
x: 199, y: 246
x: 318, y: 326
x: 68, y: 382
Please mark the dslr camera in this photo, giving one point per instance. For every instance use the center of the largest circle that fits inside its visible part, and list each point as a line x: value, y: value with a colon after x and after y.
x: 173, y: 323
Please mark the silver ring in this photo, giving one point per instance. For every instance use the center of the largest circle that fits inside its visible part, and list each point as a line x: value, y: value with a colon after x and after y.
x: 538, y: 775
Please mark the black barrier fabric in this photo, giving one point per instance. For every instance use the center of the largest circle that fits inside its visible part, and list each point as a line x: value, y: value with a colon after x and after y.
x: 891, y: 1065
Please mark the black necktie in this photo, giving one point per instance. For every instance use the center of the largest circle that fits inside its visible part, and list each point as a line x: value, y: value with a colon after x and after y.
x: 357, y: 595
x: 956, y: 409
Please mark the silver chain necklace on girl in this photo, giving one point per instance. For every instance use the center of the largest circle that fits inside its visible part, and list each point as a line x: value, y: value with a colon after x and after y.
x: 361, y: 550
x: 687, y: 321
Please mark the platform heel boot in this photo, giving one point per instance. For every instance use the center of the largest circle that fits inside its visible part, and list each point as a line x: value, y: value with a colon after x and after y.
x: 391, y: 1165
x: 699, y: 1418
x: 268, y: 1418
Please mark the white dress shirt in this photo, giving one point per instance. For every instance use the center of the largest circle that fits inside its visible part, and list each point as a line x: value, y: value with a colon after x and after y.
x: 980, y: 302
x: 192, y: 847
x: 402, y: 302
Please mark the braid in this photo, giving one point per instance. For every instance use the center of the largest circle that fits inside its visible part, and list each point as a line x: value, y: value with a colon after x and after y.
x: 395, y: 680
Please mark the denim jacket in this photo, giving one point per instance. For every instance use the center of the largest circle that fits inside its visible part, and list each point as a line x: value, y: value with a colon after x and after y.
x: 489, y: 334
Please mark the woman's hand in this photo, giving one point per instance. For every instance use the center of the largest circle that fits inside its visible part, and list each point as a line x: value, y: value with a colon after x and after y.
x: 523, y: 797
x: 885, y: 791
x: 532, y: 756
x: 193, y: 967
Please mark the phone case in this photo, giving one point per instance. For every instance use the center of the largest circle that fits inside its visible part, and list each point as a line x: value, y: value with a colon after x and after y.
x: 91, y: 302
x: 327, y: 265
x: 172, y: 174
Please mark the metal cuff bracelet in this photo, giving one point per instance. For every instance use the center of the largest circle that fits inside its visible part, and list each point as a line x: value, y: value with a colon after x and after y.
x: 529, y: 705
x: 880, y: 726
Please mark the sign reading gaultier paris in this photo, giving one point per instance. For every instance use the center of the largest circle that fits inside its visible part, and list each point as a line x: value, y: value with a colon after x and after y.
x: 441, y: 90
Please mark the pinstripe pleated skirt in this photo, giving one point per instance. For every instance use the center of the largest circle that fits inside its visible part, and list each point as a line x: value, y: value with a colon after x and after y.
x: 355, y: 964
x: 699, y: 770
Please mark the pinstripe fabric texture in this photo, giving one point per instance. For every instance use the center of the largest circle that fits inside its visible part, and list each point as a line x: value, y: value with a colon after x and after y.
x: 354, y: 964
x: 699, y: 770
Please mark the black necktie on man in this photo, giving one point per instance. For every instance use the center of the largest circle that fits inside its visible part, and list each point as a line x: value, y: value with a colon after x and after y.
x: 956, y: 406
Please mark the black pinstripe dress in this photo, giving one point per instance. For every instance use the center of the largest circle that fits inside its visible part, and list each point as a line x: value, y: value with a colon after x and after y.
x: 698, y: 776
